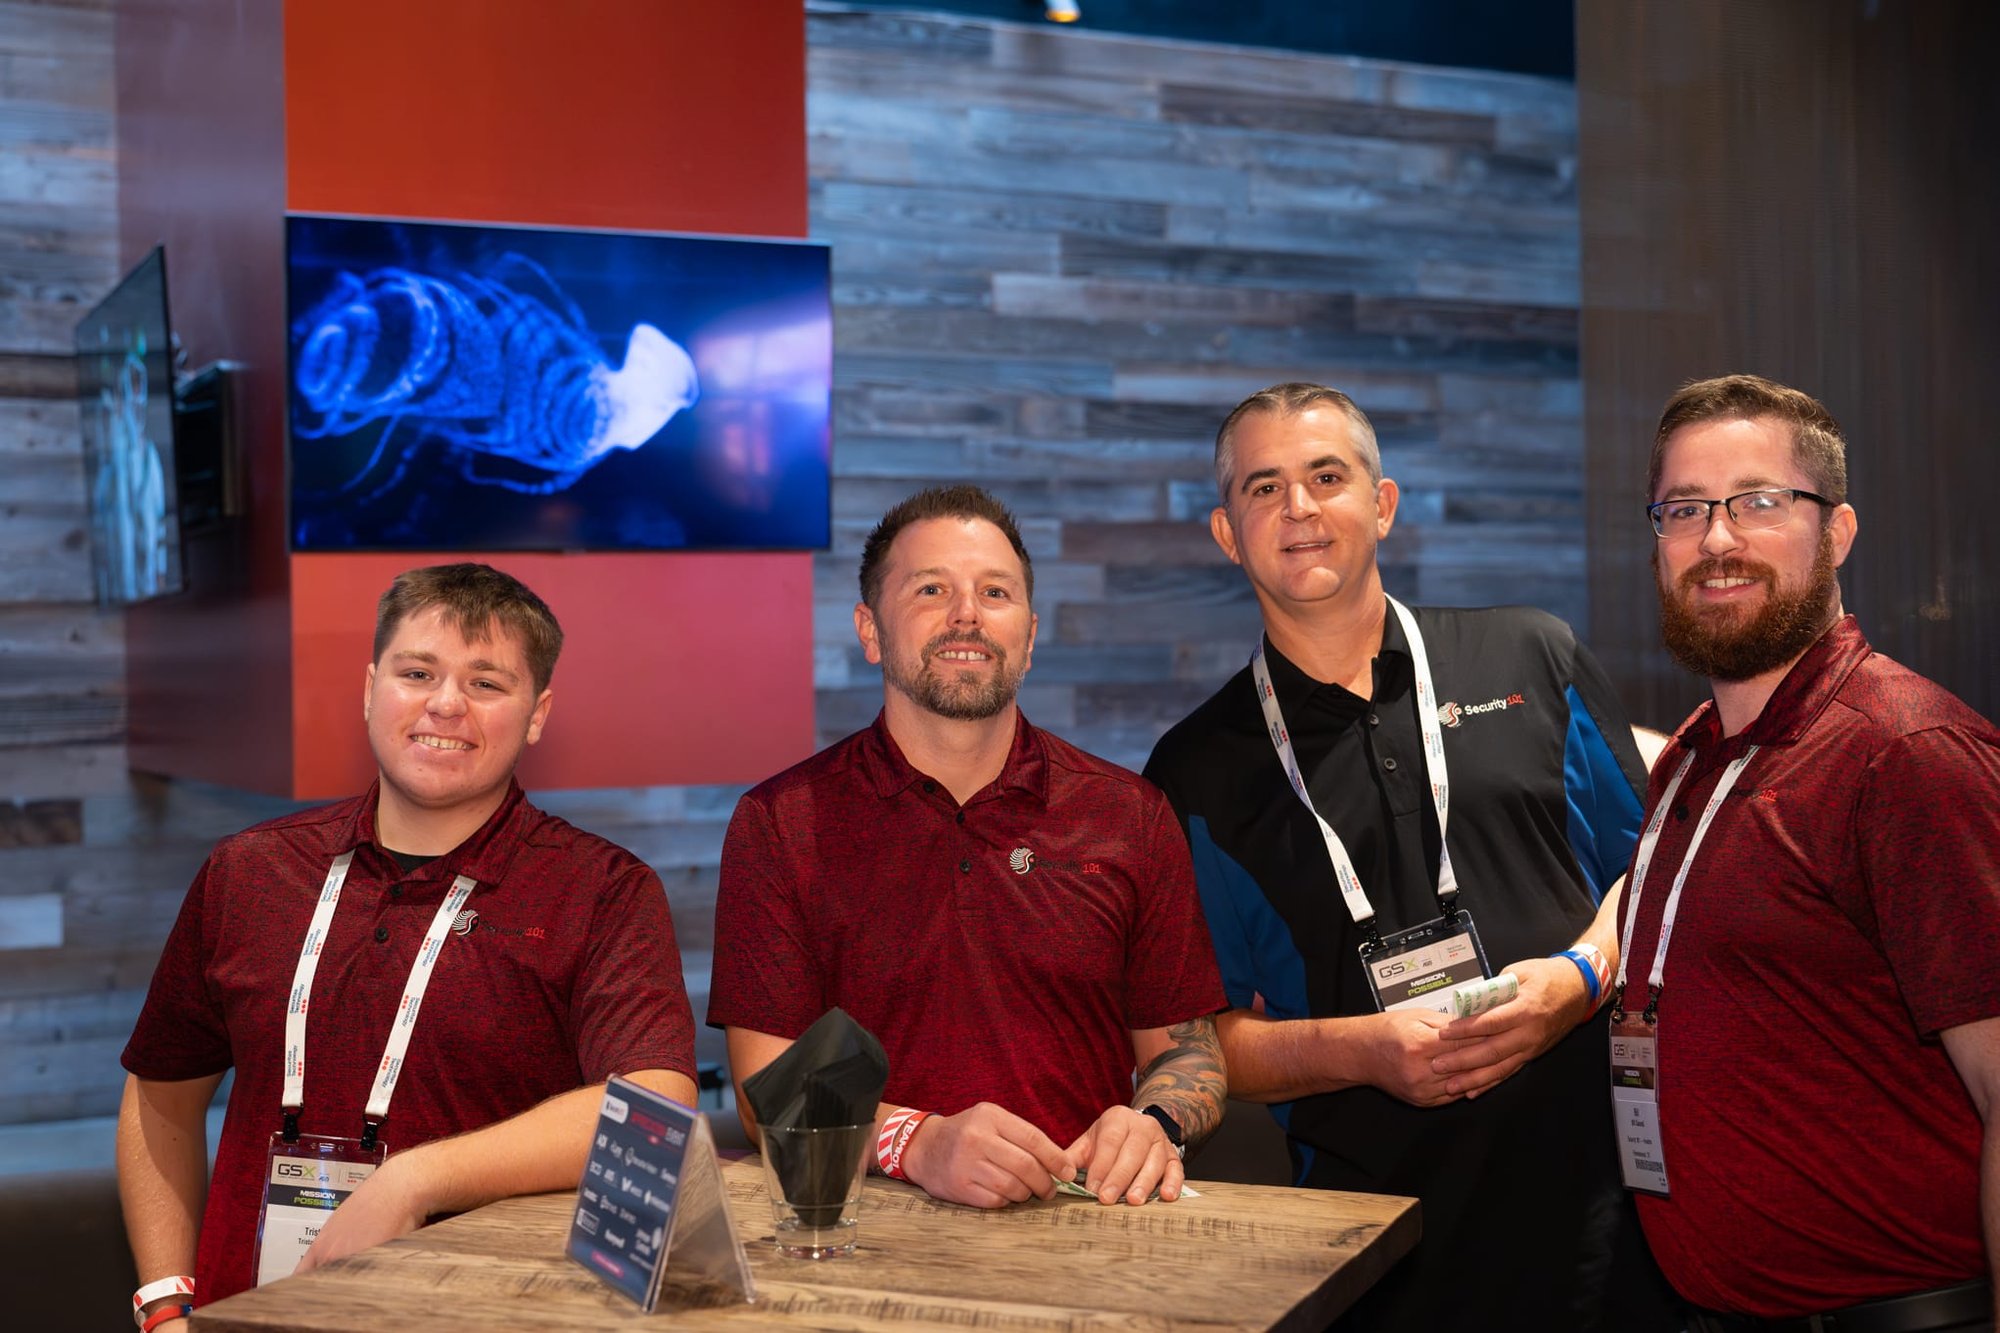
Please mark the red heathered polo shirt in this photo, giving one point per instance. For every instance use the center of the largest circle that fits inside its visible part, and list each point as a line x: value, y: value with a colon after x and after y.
x: 1844, y: 909
x: 1002, y: 951
x: 567, y: 973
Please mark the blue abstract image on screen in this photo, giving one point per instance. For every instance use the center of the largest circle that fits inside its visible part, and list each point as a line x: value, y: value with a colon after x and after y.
x: 463, y: 387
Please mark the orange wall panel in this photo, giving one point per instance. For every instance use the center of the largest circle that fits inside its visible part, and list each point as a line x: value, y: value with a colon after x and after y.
x: 666, y: 687
x: 640, y: 114
x: 659, y: 114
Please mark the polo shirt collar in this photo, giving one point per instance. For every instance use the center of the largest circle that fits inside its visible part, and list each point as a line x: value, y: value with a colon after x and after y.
x: 888, y: 773
x: 1300, y: 695
x: 484, y: 856
x: 1798, y: 701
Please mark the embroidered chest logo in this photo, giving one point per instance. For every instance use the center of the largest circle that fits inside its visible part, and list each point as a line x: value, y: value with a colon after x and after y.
x: 468, y: 921
x: 1452, y: 714
x: 1022, y: 860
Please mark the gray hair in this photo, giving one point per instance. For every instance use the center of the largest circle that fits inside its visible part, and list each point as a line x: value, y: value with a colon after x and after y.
x: 1287, y: 400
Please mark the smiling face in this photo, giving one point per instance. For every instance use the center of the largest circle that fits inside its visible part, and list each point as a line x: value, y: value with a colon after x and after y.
x: 448, y: 719
x: 951, y: 627
x: 1736, y: 603
x: 1303, y: 516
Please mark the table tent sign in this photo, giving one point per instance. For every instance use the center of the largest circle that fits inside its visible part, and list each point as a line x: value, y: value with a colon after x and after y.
x: 653, y: 1187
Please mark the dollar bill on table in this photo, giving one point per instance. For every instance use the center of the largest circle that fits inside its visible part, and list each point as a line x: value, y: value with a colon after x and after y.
x: 1078, y: 1189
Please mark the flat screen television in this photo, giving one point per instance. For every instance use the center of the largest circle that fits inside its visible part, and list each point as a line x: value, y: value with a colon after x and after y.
x: 476, y: 387
x: 125, y: 379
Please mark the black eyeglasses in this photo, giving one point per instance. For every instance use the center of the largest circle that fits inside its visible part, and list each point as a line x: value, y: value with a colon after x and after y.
x: 1752, y: 509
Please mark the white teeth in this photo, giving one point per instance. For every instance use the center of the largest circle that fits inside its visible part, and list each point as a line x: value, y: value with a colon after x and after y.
x: 962, y: 655
x: 441, y: 743
x: 1727, y: 583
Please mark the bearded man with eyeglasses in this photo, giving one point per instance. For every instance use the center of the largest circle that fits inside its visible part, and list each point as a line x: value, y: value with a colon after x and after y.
x: 1808, y: 1085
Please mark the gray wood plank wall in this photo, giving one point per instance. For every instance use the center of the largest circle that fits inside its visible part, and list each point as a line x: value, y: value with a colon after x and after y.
x: 1059, y: 258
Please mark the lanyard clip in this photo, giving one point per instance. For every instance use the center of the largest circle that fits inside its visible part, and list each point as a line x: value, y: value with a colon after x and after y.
x: 291, y: 1126
x: 1652, y: 1014
x: 369, y: 1129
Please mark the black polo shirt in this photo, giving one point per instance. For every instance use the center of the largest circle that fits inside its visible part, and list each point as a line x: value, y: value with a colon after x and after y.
x: 1545, y: 784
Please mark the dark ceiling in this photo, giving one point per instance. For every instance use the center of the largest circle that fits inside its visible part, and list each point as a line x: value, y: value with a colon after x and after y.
x: 1524, y: 36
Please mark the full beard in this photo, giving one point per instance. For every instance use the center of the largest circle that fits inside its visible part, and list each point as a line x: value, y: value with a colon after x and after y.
x: 1728, y: 644
x: 959, y: 695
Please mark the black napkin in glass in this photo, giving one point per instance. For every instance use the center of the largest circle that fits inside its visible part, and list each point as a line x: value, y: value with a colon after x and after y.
x: 833, y: 1075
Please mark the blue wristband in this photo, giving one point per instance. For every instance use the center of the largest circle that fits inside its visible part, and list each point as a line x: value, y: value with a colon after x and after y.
x: 1589, y: 973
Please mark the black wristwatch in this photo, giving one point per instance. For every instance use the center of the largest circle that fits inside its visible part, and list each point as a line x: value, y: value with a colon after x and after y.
x: 1167, y: 1122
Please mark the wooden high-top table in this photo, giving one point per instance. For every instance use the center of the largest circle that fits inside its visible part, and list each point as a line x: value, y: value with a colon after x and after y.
x: 1238, y: 1257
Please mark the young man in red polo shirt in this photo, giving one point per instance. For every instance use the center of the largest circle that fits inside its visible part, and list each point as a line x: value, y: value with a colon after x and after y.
x: 1013, y: 918
x: 533, y: 961
x: 1806, y: 1045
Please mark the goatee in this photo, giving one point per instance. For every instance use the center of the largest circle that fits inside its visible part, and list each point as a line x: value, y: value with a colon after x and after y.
x: 961, y: 696
x: 1726, y: 643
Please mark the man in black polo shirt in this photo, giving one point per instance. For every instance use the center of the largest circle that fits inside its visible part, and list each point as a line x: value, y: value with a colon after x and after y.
x: 1394, y: 726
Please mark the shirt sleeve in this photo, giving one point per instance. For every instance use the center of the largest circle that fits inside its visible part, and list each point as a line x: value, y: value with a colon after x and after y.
x: 629, y: 1009
x: 765, y: 978
x: 181, y: 1032
x: 1603, y: 776
x: 1240, y: 923
x: 1170, y: 969
x: 1928, y: 828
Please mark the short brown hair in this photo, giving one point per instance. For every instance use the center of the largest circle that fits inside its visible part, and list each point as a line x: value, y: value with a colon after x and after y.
x: 938, y: 502
x: 1288, y: 400
x: 1817, y: 444
x: 472, y: 598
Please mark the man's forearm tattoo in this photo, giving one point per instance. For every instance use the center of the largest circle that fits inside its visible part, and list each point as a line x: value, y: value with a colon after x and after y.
x: 1188, y: 1080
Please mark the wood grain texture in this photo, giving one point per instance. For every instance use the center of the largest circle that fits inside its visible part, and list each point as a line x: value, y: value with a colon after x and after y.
x: 1238, y: 1257
x: 1192, y: 223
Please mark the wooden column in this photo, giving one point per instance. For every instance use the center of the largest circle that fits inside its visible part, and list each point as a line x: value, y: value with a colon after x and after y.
x: 1804, y: 191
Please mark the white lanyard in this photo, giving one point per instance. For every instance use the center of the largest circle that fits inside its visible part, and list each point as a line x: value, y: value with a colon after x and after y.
x: 406, y: 1011
x: 1644, y: 861
x: 1351, y: 891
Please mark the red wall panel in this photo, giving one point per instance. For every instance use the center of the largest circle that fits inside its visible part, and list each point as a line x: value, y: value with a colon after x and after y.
x: 603, y: 113
x: 650, y: 698
x: 613, y: 113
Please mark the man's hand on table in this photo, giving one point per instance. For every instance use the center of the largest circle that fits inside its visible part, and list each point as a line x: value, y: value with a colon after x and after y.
x: 1481, y: 1052
x: 387, y: 1205
x: 984, y: 1156
x: 1129, y: 1156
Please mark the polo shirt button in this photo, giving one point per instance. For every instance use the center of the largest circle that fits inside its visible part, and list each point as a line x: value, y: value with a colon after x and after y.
x: 1390, y: 763
x: 1680, y: 812
x: 929, y: 785
x: 1374, y: 720
x: 395, y: 890
x: 961, y: 816
x: 381, y: 934
x: 965, y: 866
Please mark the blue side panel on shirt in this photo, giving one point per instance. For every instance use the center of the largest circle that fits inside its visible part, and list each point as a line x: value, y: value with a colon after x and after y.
x: 1253, y: 945
x: 1603, y: 809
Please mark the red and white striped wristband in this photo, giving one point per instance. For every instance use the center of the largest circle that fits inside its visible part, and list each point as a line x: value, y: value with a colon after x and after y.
x: 895, y: 1137
x: 158, y: 1291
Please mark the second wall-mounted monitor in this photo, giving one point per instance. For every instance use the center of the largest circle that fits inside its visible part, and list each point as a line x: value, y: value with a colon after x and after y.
x: 460, y: 387
x: 125, y: 379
